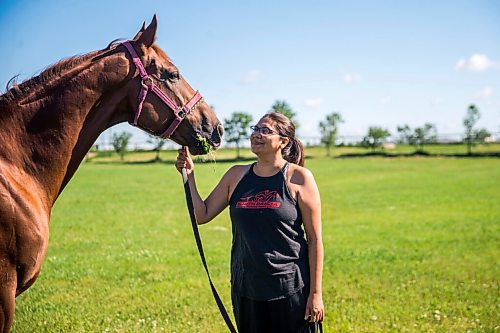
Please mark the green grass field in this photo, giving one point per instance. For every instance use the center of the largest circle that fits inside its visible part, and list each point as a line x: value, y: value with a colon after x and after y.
x: 411, y: 245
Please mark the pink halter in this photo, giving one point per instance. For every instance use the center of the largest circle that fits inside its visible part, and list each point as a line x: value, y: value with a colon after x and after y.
x: 147, y: 85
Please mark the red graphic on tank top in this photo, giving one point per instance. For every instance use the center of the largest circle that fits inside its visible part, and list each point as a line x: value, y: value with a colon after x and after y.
x: 263, y: 199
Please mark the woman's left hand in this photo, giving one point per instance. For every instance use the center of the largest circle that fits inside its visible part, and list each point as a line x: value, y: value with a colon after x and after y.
x: 315, y: 310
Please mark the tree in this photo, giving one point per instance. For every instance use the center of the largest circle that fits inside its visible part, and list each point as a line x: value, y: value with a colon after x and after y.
x: 284, y: 108
x: 376, y: 136
x: 423, y: 135
x: 481, y: 135
x: 120, y: 142
x: 405, y: 134
x: 236, y: 129
x: 329, y: 129
x: 419, y: 136
x: 157, y: 143
x: 471, y: 118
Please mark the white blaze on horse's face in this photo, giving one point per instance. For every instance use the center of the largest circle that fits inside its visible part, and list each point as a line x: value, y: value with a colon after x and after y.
x: 200, y: 130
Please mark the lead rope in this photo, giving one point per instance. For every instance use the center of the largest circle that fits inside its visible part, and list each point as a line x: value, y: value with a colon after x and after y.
x: 189, y: 201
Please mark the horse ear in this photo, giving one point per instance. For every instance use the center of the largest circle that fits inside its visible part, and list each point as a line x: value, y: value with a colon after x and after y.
x: 140, y: 31
x: 147, y: 36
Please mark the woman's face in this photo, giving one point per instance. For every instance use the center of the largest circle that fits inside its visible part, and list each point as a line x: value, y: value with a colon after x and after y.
x: 266, y: 139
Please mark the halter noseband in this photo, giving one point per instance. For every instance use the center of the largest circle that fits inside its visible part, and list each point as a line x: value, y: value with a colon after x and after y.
x: 147, y: 83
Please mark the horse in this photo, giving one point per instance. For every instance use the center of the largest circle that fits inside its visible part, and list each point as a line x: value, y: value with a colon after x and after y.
x: 49, y: 122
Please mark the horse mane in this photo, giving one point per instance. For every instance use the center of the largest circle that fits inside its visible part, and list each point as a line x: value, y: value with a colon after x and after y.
x: 15, y: 91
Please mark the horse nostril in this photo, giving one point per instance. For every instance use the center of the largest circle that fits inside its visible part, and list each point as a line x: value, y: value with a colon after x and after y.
x: 217, y: 135
x: 220, y: 129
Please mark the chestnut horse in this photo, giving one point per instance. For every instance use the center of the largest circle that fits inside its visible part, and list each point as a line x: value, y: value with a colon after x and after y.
x: 49, y: 122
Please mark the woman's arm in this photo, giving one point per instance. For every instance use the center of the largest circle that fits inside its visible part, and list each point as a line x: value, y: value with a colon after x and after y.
x: 310, y: 206
x: 205, y: 210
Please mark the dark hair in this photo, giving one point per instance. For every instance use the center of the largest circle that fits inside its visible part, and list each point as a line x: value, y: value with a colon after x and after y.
x: 294, y: 150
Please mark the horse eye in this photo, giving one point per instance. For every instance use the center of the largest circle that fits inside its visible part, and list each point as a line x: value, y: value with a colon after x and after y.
x: 164, y: 75
x: 175, y: 76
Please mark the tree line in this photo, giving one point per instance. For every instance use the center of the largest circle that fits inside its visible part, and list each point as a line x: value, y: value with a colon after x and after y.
x: 237, y: 131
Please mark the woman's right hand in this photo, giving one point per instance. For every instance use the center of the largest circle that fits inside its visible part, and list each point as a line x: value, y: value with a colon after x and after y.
x: 184, y: 160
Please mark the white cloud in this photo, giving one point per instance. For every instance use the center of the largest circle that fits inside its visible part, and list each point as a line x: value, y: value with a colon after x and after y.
x: 484, y: 93
x: 252, y: 76
x: 476, y: 63
x: 350, y: 78
x: 385, y: 100
x: 314, y: 102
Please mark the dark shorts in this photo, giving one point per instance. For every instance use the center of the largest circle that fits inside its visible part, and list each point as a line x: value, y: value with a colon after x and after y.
x: 284, y: 315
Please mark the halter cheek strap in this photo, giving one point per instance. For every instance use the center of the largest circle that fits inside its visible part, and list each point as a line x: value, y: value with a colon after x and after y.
x: 180, y: 112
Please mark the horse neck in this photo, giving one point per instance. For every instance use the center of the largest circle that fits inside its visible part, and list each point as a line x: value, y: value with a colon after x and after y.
x: 102, y: 116
x: 62, y: 126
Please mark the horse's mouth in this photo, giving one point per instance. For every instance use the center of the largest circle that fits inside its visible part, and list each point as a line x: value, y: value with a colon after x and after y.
x: 202, y: 145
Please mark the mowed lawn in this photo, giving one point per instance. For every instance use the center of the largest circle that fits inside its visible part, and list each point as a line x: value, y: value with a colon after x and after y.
x: 411, y: 245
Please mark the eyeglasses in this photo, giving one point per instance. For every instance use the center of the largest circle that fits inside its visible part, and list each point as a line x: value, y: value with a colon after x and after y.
x: 263, y: 130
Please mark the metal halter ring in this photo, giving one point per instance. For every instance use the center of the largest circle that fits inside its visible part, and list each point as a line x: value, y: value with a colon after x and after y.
x: 181, y: 113
x: 144, y: 84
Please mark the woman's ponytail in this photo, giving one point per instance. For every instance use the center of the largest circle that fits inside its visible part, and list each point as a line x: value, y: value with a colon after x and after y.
x: 294, y: 152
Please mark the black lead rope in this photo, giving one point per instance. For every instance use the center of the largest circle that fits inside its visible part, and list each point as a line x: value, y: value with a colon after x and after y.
x: 189, y: 201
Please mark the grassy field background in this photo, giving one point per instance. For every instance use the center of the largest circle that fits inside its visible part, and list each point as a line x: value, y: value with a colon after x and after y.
x: 411, y: 245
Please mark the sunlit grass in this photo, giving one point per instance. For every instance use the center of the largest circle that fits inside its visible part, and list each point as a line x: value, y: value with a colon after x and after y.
x: 411, y: 245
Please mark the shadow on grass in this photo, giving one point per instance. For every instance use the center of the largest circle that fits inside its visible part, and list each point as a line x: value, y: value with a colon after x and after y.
x: 172, y: 161
x: 350, y: 155
x: 125, y: 162
x: 418, y: 153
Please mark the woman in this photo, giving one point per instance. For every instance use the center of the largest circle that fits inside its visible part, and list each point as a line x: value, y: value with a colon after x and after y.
x: 275, y: 273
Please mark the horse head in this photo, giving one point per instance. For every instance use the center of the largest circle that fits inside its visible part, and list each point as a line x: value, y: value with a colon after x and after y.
x: 162, y: 101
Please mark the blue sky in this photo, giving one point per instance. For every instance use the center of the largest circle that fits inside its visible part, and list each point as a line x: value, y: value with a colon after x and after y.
x: 383, y: 63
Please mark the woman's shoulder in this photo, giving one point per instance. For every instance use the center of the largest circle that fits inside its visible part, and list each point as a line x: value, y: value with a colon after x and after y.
x: 238, y: 168
x: 298, y: 174
x: 237, y: 171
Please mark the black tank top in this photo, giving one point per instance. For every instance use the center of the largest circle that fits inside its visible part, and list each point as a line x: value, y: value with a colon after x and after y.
x: 269, y: 252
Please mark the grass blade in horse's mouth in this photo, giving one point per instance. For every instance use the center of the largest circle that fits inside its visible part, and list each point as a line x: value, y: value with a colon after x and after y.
x: 205, y: 144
